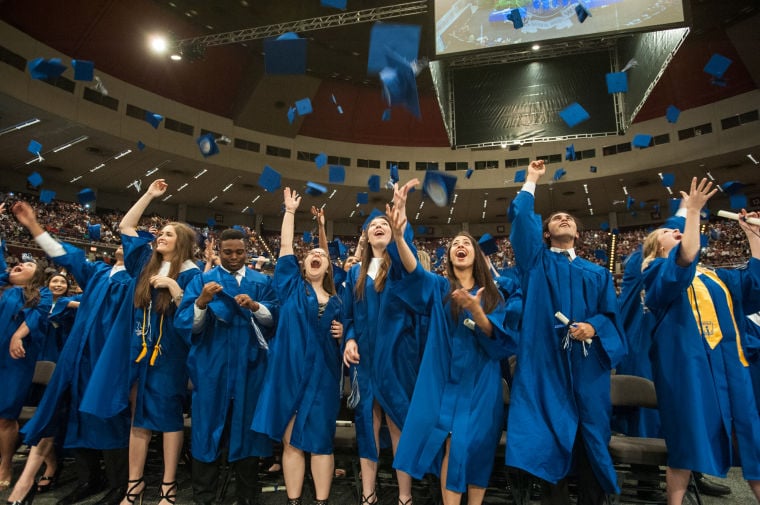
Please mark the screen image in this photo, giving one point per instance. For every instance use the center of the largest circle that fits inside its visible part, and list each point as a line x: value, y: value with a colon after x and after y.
x: 475, y: 25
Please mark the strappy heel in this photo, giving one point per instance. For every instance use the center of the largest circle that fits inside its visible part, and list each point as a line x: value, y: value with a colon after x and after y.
x: 171, y: 494
x: 410, y: 501
x: 294, y: 501
x: 132, y: 485
x: 368, y: 500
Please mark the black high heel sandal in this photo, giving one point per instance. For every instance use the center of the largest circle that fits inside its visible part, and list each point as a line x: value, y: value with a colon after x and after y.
x: 367, y: 500
x: 26, y: 500
x: 294, y: 501
x: 50, y: 481
x: 132, y: 485
x: 169, y: 496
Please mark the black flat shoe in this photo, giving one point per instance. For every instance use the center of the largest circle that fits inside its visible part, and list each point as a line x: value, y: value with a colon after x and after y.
x: 710, y: 488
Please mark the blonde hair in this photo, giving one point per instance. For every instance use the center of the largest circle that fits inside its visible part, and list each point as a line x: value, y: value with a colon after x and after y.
x: 651, y: 249
x: 424, y: 259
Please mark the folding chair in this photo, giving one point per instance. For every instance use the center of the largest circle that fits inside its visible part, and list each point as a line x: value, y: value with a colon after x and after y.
x: 43, y: 371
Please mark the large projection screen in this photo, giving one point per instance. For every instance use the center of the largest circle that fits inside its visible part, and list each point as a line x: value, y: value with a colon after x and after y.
x: 521, y: 101
x: 471, y: 25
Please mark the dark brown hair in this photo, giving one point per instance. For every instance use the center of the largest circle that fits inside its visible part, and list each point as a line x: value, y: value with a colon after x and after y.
x: 382, y: 273
x: 480, y: 272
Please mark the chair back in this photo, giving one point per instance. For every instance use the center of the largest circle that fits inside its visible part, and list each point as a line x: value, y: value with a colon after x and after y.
x: 43, y: 371
x: 632, y: 391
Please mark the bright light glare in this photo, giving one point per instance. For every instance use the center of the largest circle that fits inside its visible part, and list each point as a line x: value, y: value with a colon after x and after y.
x: 535, y: 47
x: 159, y: 44
x: 176, y: 57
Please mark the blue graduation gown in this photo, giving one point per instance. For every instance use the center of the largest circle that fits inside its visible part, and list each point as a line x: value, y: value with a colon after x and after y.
x: 57, y: 327
x: 458, y: 391
x: 17, y: 374
x: 704, y: 395
x: 226, y: 365
x: 304, y: 370
x: 556, y: 392
x: 386, y: 333
x: 104, y: 313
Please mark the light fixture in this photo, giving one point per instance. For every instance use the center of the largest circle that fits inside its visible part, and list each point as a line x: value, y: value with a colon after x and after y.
x: 535, y: 47
x: 176, y: 56
x: 158, y: 44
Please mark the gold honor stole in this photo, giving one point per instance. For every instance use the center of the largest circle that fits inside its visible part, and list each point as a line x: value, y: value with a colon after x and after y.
x: 705, y: 314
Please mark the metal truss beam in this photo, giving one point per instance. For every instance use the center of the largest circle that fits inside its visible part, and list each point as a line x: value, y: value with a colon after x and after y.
x: 305, y: 25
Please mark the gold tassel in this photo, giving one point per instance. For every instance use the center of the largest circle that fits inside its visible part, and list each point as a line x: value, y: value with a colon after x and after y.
x: 143, y: 352
x: 154, y: 355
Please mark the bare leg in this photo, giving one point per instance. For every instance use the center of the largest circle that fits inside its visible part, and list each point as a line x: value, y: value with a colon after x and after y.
x: 322, y: 468
x: 37, y: 454
x: 475, y: 495
x: 139, y: 439
x: 449, y: 497
x: 8, y: 437
x: 677, y: 480
x: 755, y: 486
x: 369, y: 467
x: 403, y: 478
x: 293, y: 465
x: 172, y: 449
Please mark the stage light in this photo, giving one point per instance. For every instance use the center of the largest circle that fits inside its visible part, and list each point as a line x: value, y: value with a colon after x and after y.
x: 535, y: 47
x: 176, y: 57
x: 158, y: 44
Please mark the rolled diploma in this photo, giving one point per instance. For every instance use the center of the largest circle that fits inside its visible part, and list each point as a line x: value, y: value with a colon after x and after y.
x: 737, y: 217
x: 562, y: 318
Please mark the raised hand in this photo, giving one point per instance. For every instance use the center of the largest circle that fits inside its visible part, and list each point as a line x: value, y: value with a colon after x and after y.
x: 398, y: 220
x: 292, y: 200
x: 400, y: 193
x: 24, y: 213
x: 536, y: 170
x: 698, y: 195
x: 157, y: 188
x: 464, y: 299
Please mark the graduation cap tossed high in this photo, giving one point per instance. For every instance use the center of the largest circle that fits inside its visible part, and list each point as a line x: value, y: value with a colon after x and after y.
x: 574, y: 114
x: 335, y: 4
x: 35, y: 147
x: 93, y: 231
x: 270, y: 179
x: 393, y: 178
x: 520, y: 175
x: 570, y: 153
x: 516, y: 16
x: 83, y: 70
x: 439, y: 187
x: 40, y: 68
x: 86, y: 196
x: 617, y: 82
x: 668, y: 180
x: 582, y: 12
x: 468, y: 173
x: 487, y: 244
x: 672, y: 113
x: 207, y: 145
x: 362, y: 197
x: 386, y: 39
x: 717, y: 65
x: 314, y: 189
x: 337, y: 174
x: 47, y: 196
x: 320, y: 160
x: 153, y: 119
x: 34, y: 179
x: 642, y: 141
x: 400, y: 84
x: 374, y: 183
x: 559, y: 174
x: 285, y: 55
x: 304, y: 107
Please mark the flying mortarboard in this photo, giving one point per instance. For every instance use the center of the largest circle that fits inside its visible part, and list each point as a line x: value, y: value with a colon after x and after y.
x: 337, y: 174
x: 674, y: 204
x: 320, y: 160
x: 307, y: 237
x: 335, y: 4
x: 738, y: 201
x: 285, y: 55
x: 47, y: 196
x: 93, y: 231
x: 617, y: 82
x: 439, y: 187
x: 400, y: 84
x: 140, y: 145
x: 570, y: 153
x: 374, y: 183
x: 672, y: 113
x: 641, y: 140
x: 520, y: 175
x: 85, y: 196
x: 207, y: 145
x: 40, y: 68
x: 211, y: 222
x: 153, y: 119
x: 516, y: 18
x: 592, y: 169
x: 83, y: 70
x: 717, y: 65
x: 559, y: 174
x: 668, y: 180
x: 468, y: 174
x: 270, y: 179
x: 386, y: 115
x: 629, y: 201
x: 303, y: 106
x: 582, y: 12
x: 333, y: 249
x: 732, y: 187
x: 34, y: 147
x: 574, y: 114
x: 362, y: 198
x: 394, y: 173
x: 314, y: 189
x: 291, y: 114
x: 386, y: 39
x: 488, y: 244
x: 34, y: 179
x: 604, y: 226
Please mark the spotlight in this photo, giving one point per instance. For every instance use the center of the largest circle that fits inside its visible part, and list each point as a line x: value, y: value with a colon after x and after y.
x: 535, y: 47
x: 158, y: 44
x: 176, y: 56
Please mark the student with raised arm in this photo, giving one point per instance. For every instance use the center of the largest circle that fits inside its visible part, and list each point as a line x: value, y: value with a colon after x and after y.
x: 560, y: 405
x: 104, y: 313
x: 456, y: 414
x: 704, y: 393
x: 301, y: 397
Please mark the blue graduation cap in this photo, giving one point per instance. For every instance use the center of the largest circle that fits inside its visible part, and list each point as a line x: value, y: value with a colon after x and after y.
x: 468, y: 174
x: 642, y: 204
x: 738, y: 201
x: 140, y: 145
x: 153, y: 119
x: 207, y: 145
x: 291, y: 114
x: 270, y: 179
x: 34, y: 147
x: 617, y: 82
x: 516, y: 18
x: 285, y: 55
x: 320, y: 160
x: 335, y: 4
x: 372, y: 215
x: 337, y: 174
x: 211, y: 222
x: 629, y: 201
x: 386, y: 115
x: 314, y: 189
x: 83, y: 70
x: 307, y: 238
x: 582, y: 12
x: 574, y: 114
x: 672, y: 113
x: 93, y: 231
x: 362, y: 197
x: 642, y: 140
x: 488, y: 244
x: 374, y: 183
x: 303, y: 107
x: 333, y: 249
x: 559, y: 174
x: 732, y: 187
x: 674, y: 204
x: 40, y: 68
x: 421, y: 230
x: 604, y: 226
x: 704, y: 213
x: 592, y: 169
x: 703, y: 240
x: 34, y: 179
x: 570, y: 153
x: 238, y: 228
x: 85, y: 196
x: 668, y: 180
x: 439, y: 187
x: 394, y: 173
x: 717, y: 65
x: 47, y: 196
x: 387, y: 38
x: 520, y: 175
x: 600, y: 254
x: 400, y: 84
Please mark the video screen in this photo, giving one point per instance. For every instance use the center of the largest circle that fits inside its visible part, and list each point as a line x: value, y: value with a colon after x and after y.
x: 463, y: 25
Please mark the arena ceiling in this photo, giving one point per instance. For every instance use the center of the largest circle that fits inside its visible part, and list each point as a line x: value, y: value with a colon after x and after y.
x: 230, y: 81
